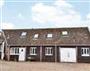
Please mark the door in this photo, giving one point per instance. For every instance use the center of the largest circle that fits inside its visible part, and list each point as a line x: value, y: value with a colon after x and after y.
x: 22, y: 54
x: 68, y: 54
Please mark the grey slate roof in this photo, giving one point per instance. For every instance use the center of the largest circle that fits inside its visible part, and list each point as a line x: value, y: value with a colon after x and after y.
x: 76, y: 36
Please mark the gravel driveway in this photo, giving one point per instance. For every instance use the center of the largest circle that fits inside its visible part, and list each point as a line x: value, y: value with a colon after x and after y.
x: 43, y: 66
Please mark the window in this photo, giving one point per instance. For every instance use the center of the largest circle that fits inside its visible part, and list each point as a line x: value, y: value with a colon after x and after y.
x: 36, y: 36
x: 49, y: 35
x: 64, y: 33
x: 48, y: 51
x: 33, y: 50
x: 85, y: 51
x: 23, y: 34
x: 14, y: 51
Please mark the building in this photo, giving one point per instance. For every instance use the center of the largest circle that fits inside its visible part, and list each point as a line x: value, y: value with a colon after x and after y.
x: 48, y: 45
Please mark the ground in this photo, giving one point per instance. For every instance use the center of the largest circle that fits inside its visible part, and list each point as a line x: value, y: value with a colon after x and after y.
x: 43, y: 66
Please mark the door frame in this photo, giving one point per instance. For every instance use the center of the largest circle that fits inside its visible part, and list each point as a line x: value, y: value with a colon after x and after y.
x: 68, y: 47
x: 24, y: 56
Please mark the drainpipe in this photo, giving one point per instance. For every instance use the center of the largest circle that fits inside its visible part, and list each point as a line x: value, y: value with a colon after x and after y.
x: 8, y: 53
x: 55, y: 53
x: 76, y: 54
x: 40, y: 53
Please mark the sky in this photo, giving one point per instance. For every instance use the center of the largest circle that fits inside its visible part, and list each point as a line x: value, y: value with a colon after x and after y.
x: 26, y: 14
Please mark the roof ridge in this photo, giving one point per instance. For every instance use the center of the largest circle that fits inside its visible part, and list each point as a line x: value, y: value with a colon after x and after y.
x: 48, y: 28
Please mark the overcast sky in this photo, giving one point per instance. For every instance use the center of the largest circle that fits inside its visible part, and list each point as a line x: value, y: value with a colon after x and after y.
x: 15, y: 14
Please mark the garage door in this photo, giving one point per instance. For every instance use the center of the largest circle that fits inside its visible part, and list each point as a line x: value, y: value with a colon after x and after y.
x: 68, y: 54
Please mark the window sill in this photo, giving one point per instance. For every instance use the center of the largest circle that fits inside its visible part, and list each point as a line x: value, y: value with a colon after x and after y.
x: 33, y: 54
x: 85, y: 55
x: 13, y: 54
x: 48, y: 54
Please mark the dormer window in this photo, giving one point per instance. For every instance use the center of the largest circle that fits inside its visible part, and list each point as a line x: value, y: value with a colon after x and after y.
x: 36, y: 36
x: 23, y: 34
x: 64, y: 33
x: 49, y: 35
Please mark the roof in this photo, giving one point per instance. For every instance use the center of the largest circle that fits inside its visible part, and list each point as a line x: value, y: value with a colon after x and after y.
x: 76, y: 36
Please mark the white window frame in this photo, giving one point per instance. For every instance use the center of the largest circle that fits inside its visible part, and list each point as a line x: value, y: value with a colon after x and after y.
x: 23, y: 34
x: 33, y: 50
x: 14, y: 51
x: 48, y: 51
x: 36, y: 36
x: 49, y: 35
x: 85, y: 51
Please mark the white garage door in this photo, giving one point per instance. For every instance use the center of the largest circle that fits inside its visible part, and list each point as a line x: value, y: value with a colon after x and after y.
x: 68, y: 54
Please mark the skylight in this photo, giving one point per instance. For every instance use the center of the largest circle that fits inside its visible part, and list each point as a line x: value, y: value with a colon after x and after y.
x: 64, y: 33
x: 23, y: 34
x: 49, y: 35
x: 36, y: 36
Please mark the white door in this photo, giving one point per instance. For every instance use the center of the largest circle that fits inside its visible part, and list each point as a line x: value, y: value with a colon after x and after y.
x: 22, y: 54
x: 68, y: 54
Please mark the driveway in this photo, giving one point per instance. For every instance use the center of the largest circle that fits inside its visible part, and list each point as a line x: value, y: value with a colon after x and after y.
x: 43, y: 66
